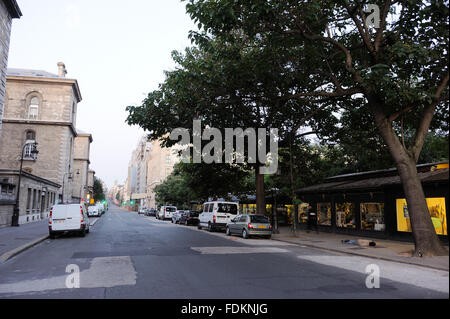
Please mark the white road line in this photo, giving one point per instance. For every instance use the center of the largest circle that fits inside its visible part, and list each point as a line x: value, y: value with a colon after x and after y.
x: 237, y: 250
x: 408, y: 274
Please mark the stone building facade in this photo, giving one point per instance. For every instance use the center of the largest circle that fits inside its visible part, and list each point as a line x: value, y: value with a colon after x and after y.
x: 160, y: 164
x: 8, y: 10
x: 37, y: 196
x: 137, y: 172
x: 81, y: 165
x: 41, y: 107
x: 90, y: 184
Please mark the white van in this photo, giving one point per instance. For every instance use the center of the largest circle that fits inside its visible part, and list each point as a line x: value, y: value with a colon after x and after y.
x: 66, y: 218
x: 101, y: 208
x: 94, y: 211
x: 216, y: 215
x: 166, y: 212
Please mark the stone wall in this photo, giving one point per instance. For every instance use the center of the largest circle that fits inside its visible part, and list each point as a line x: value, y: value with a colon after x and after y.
x: 56, y: 99
x: 34, y: 201
x: 80, y: 180
x: 54, y: 129
x: 5, y: 32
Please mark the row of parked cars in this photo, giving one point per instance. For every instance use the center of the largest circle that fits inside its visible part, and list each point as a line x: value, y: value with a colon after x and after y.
x: 219, y: 216
x: 97, y: 210
x: 73, y: 218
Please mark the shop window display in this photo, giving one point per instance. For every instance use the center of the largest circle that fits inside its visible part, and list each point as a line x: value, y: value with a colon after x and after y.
x: 324, y: 214
x: 303, y: 213
x: 345, y: 215
x: 372, y: 216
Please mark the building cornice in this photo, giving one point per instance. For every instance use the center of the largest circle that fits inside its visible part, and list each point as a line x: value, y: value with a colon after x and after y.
x: 13, y: 8
x: 47, y: 80
x: 37, y: 122
x: 31, y: 176
x: 83, y: 160
x: 86, y: 135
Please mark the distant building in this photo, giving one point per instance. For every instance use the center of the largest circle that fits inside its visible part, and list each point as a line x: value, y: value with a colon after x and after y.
x: 8, y: 10
x: 137, y: 172
x: 81, y: 165
x: 91, y: 177
x: 160, y: 164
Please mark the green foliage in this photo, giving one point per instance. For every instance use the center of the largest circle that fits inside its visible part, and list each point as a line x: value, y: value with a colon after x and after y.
x: 99, y: 194
x: 289, y: 65
x: 198, y: 182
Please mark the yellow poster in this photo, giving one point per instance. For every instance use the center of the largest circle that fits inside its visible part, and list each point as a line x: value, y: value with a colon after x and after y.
x: 436, y: 207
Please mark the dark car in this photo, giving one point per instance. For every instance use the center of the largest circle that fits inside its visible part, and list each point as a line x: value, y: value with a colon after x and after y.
x: 189, y: 218
x: 151, y: 212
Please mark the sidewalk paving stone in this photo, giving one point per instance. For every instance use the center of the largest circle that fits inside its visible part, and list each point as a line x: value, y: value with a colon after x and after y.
x: 14, y: 240
x: 385, y: 249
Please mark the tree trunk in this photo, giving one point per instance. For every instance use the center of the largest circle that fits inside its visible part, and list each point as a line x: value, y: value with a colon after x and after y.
x: 260, y: 194
x: 426, y: 241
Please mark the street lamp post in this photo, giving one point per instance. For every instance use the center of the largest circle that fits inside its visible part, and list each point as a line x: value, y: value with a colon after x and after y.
x: 15, y: 217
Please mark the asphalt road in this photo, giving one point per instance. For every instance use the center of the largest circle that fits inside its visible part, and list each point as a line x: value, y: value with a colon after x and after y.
x: 130, y: 256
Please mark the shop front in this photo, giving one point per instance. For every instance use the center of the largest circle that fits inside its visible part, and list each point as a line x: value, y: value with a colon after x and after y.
x: 373, y: 203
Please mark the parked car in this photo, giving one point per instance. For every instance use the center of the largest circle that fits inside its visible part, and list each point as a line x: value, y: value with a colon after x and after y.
x: 68, y: 218
x: 250, y: 225
x: 150, y: 212
x: 94, y: 211
x: 166, y: 212
x: 177, y: 215
x: 189, y: 218
x: 101, y: 208
x: 142, y: 210
x: 216, y: 215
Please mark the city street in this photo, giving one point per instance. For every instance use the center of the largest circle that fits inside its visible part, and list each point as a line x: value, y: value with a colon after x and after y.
x: 127, y: 255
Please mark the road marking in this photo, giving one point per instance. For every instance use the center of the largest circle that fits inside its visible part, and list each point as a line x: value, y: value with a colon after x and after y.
x: 237, y: 250
x: 408, y: 274
x: 104, y: 272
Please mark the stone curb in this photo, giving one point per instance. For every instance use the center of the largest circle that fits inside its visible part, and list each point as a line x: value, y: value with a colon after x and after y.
x: 8, y: 255
x: 361, y: 255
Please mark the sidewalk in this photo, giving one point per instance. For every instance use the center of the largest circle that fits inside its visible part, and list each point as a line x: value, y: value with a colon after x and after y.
x: 14, y: 240
x: 385, y: 249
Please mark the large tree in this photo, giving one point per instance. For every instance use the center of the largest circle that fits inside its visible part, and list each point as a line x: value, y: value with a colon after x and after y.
x: 396, y: 61
x: 227, y: 82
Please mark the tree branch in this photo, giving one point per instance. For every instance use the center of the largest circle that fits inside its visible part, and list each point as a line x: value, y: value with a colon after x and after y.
x: 383, y: 18
x: 427, y: 117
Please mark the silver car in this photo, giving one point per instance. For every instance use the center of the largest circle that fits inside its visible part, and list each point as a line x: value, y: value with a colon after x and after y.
x: 177, y: 215
x: 250, y: 225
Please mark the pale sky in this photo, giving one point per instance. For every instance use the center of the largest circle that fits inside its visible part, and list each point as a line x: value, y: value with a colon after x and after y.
x: 116, y: 50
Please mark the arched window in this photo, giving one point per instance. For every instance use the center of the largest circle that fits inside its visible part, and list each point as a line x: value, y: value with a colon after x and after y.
x: 33, y: 109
